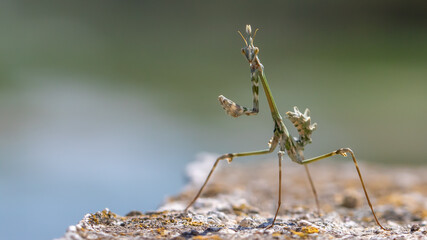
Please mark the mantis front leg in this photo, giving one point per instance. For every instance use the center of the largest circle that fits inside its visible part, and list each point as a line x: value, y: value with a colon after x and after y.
x: 235, y: 110
x: 229, y: 157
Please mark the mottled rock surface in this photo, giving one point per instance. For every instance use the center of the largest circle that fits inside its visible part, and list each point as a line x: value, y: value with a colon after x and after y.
x: 241, y: 199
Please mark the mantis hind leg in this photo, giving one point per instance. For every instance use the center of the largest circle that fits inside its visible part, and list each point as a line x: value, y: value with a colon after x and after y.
x: 344, y: 152
x: 313, y: 189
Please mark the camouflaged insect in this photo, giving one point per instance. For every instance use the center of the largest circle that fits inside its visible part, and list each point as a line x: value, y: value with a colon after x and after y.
x: 281, y: 137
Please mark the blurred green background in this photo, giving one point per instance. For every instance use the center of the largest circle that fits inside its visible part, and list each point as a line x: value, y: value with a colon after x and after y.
x: 103, y: 103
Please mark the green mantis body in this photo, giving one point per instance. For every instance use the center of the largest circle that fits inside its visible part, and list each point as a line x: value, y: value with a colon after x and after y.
x: 294, y: 147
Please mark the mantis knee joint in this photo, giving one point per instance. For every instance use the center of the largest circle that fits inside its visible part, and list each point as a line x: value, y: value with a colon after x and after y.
x: 229, y: 157
x: 344, y: 151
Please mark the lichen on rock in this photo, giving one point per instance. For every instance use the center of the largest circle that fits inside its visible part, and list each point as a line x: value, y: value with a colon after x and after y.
x: 240, y: 201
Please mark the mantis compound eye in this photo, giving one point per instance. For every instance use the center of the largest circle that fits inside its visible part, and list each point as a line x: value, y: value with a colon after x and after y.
x: 256, y: 51
x: 243, y: 51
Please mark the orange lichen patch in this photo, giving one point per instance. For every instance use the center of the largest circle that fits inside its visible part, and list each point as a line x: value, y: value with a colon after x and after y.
x: 213, y: 237
x: 102, y: 217
x: 276, y: 234
x: 158, y: 214
x: 196, y: 224
x: 94, y: 219
x: 305, y: 231
x: 300, y: 234
x: 108, y: 214
x: 189, y: 222
x: 162, y: 231
x: 310, y: 230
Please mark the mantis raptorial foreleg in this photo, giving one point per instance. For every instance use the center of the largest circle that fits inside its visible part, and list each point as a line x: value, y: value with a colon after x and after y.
x: 235, y: 110
x: 294, y: 147
x: 229, y: 157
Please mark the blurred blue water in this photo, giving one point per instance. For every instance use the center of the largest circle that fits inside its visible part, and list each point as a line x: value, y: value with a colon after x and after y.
x: 70, y: 149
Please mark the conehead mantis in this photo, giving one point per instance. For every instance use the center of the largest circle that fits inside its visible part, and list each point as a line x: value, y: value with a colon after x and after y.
x: 294, y: 147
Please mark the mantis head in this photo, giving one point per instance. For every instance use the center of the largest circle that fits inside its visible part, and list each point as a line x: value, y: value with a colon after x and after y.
x: 249, y: 51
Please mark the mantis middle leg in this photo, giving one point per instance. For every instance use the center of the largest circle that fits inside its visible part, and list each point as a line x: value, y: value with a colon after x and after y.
x: 230, y: 157
x: 279, y: 202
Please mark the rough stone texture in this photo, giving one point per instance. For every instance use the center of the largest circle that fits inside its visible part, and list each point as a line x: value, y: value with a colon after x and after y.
x: 241, y: 199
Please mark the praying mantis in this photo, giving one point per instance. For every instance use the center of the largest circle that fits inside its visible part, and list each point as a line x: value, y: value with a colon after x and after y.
x: 294, y: 147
